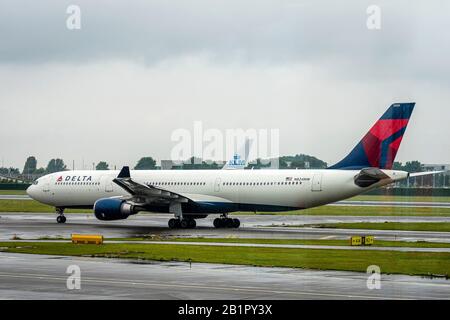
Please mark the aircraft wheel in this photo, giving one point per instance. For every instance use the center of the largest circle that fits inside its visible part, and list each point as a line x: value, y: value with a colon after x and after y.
x: 236, y: 223
x: 217, y: 223
x: 192, y: 224
x: 228, y: 222
x: 60, y: 219
x: 184, y: 224
x: 173, y: 223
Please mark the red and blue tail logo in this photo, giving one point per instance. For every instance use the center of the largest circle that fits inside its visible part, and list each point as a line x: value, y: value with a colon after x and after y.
x: 379, y: 146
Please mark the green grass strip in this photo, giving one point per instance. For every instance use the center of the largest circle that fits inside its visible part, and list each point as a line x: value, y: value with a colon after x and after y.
x: 325, y: 242
x: 400, y: 198
x: 378, y: 243
x: 32, y: 206
x: 407, y: 226
x: 362, y: 211
x: 12, y: 192
x: 412, y: 263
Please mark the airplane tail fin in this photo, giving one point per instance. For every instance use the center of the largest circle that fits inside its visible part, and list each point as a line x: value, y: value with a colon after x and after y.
x: 380, y: 145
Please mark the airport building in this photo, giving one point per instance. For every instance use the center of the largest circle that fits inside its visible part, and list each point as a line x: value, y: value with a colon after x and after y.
x: 436, y: 167
x: 441, y: 180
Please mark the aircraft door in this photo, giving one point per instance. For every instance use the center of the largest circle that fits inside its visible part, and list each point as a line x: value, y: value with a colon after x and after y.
x: 317, y: 182
x: 217, y: 185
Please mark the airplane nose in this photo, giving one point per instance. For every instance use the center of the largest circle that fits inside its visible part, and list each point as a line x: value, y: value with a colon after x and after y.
x: 31, y: 191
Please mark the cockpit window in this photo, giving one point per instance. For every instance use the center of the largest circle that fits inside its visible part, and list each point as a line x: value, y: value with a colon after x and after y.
x: 35, y: 182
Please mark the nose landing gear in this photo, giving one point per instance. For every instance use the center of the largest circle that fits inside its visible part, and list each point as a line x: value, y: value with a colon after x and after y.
x: 60, y: 218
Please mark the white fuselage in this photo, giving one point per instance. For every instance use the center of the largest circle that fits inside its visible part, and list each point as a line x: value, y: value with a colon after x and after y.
x: 220, y: 190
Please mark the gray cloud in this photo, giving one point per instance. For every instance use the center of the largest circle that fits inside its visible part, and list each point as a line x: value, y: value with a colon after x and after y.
x: 267, y: 32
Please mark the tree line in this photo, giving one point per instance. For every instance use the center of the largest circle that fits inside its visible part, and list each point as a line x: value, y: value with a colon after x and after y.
x: 55, y: 165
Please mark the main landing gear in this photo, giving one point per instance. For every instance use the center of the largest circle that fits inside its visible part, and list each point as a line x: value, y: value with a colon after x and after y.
x: 225, y: 222
x: 185, y: 223
x: 180, y: 221
x: 60, y: 218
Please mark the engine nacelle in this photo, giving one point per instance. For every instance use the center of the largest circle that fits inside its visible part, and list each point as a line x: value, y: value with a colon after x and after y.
x: 112, y: 209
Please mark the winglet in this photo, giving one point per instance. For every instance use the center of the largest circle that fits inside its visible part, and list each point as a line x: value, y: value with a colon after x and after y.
x: 124, y: 173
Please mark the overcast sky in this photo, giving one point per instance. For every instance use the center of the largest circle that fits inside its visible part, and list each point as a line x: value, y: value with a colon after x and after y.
x: 136, y: 71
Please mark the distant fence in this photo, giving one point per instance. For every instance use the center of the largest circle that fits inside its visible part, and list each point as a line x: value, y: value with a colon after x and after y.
x: 411, y: 192
x: 14, y: 186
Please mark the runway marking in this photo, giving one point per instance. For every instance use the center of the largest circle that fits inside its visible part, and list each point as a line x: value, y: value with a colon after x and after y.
x: 219, y: 288
x: 327, y: 237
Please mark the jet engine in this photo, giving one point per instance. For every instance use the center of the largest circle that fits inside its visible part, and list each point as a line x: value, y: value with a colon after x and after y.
x: 113, y: 209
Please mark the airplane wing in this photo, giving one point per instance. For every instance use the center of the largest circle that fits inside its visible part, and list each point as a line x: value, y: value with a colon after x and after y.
x: 424, y: 173
x: 143, y: 194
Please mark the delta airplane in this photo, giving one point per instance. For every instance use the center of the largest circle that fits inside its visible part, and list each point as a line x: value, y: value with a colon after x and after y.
x: 194, y: 194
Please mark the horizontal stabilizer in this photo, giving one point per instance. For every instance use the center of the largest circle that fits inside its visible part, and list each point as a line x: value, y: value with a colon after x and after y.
x: 424, y: 173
